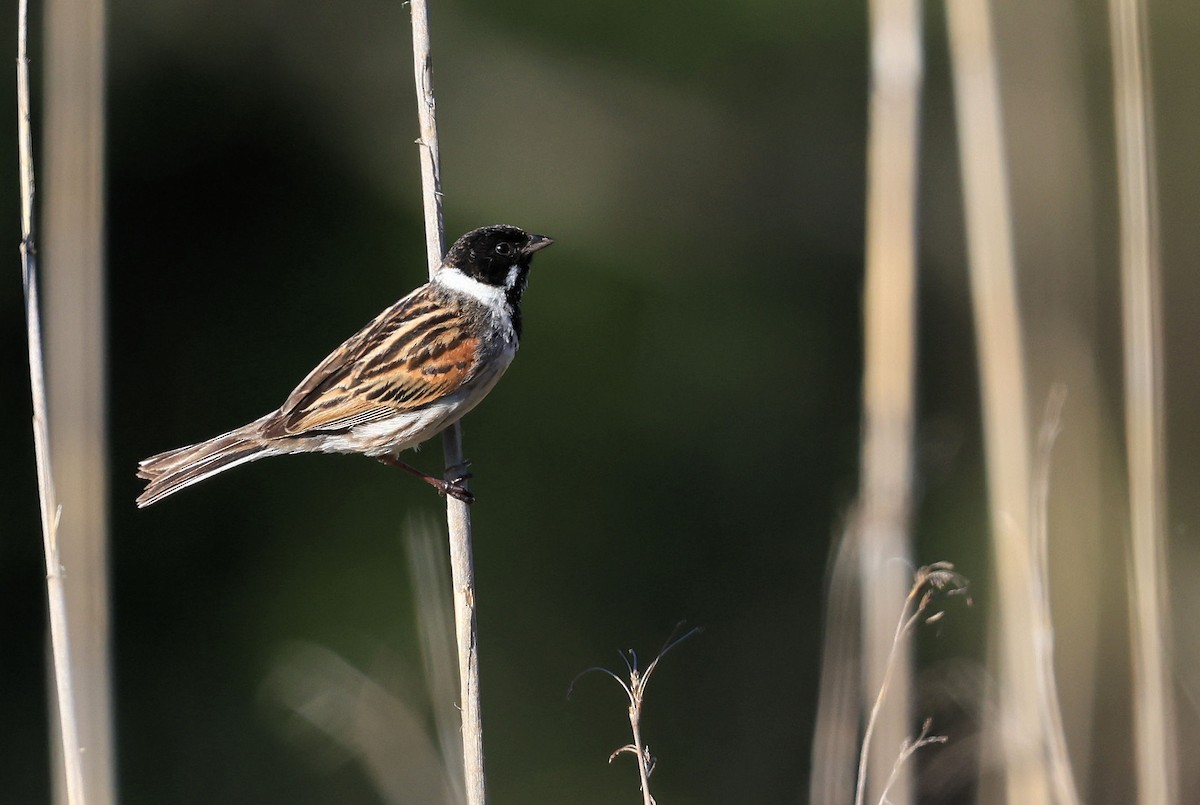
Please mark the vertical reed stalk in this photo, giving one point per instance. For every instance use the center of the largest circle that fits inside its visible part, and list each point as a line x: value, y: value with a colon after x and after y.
x: 72, y: 246
x: 68, y: 727
x: 1053, y: 199
x: 1021, y: 729
x: 1154, y: 728
x: 458, y: 514
x: 889, y: 321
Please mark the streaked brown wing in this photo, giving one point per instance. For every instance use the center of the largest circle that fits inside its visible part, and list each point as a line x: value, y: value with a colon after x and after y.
x: 412, y: 354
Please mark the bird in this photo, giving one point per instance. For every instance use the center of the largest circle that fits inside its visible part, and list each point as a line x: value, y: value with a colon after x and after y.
x: 413, y: 371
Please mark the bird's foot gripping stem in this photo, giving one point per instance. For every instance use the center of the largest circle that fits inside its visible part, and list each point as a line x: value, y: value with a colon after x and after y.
x: 454, y: 484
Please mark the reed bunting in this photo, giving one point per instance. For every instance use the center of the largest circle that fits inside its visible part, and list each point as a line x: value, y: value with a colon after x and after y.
x: 416, y: 369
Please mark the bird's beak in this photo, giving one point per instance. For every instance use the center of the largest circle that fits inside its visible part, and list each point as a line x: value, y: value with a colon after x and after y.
x: 537, y: 243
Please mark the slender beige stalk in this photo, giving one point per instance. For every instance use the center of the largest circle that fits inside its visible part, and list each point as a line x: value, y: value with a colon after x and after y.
x: 1154, y: 727
x: 1053, y: 200
x: 73, y: 292
x: 886, y: 486
x: 839, y: 704
x: 431, y: 164
x: 68, y: 728
x: 1058, y: 759
x: 1002, y: 377
x: 458, y: 515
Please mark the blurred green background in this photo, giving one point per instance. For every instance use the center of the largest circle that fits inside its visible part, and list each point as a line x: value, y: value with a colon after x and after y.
x: 677, y: 440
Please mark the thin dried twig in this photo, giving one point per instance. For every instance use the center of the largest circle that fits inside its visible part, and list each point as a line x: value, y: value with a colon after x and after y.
x: 68, y: 723
x: 928, y: 582
x: 907, y: 750
x: 458, y: 515
x: 635, y: 691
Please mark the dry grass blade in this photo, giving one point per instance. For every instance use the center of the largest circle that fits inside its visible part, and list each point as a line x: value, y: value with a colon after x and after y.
x: 836, y: 729
x: 1057, y: 757
x: 361, y: 718
x: 435, y: 621
x: 376, y: 716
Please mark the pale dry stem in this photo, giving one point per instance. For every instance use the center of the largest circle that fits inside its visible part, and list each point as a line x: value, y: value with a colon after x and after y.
x: 1155, y: 739
x: 458, y: 516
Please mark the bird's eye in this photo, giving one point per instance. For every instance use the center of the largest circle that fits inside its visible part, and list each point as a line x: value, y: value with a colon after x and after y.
x: 504, y: 249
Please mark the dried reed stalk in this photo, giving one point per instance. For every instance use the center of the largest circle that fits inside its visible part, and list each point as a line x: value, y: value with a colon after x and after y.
x: 60, y: 644
x: 1021, y: 727
x: 72, y: 245
x: 458, y: 516
x: 1154, y: 728
x: 884, y: 504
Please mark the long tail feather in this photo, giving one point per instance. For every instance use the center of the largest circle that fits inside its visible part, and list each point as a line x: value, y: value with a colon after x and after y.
x: 173, y: 470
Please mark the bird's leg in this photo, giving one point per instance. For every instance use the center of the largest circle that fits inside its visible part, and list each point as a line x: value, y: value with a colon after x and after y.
x: 453, y: 488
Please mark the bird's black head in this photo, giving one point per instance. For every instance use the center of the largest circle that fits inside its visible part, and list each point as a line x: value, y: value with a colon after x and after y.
x: 496, y: 255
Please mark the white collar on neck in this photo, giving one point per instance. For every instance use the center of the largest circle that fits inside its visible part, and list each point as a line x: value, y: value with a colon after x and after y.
x: 455, y: 280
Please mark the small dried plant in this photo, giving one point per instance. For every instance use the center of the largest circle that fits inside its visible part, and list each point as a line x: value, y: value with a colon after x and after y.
x: 929, y: 583
x: 635, y: 691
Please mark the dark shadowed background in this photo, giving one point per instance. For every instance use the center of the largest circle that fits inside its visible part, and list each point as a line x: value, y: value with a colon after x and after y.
x: 676, y: 441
